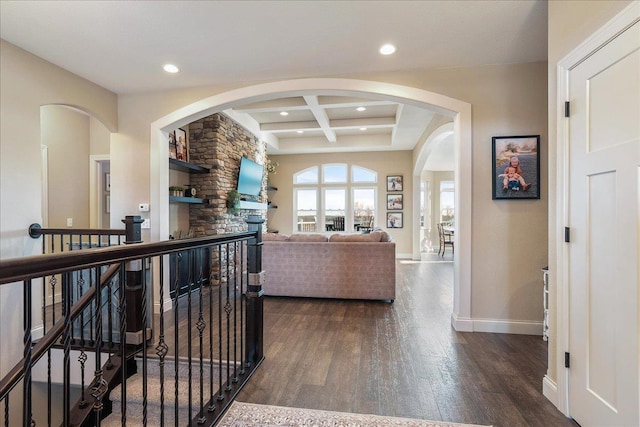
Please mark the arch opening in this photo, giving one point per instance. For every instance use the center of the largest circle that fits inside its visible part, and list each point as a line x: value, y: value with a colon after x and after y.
x: 459, y: 111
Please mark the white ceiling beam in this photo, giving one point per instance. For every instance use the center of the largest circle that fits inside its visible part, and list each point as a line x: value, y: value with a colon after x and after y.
x: 252, y: 126
x: 289, y: 126
x: 369, y: 122
x: 347, y: 143
x: 321, y: 116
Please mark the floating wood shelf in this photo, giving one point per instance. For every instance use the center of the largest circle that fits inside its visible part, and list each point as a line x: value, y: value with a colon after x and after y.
x: 181, y: 166
x: 193, y: 200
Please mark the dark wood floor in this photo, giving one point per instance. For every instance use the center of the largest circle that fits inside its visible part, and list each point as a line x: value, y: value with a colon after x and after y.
x: 400, y: 359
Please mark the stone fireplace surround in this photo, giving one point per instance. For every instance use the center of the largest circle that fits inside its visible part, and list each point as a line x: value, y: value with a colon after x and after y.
x: 217, y: 142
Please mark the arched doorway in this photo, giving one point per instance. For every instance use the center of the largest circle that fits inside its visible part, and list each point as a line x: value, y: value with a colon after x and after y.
x: 459, y: 111
x: 75, y: 154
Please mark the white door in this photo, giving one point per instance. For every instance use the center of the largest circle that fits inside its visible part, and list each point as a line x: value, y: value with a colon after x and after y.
x: 604, y: 164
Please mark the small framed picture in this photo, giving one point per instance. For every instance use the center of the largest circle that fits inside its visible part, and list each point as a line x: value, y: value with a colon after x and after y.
x: 182, y: 150
x: 394, y: 202
x: 394, y: 183
x: 173, y: 154
x: 107, y: 182
x: 394, y: 219
x: 107, y: 204
x: 516, y: 167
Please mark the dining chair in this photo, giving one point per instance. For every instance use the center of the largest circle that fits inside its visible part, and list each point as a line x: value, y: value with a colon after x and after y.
x: 446, y: 239
x: 366, y: 225
x: 338, y: 223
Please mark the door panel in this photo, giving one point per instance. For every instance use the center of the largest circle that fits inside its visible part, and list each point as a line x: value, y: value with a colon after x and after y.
x: 604, y: 154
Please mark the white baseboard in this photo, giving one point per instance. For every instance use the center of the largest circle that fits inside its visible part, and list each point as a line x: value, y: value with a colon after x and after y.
x: 57, y: 297
x: 466, y: 324
x: 508, y: 326
x: 461, y: 324
x: 167, y: 306
x: 550, y: 390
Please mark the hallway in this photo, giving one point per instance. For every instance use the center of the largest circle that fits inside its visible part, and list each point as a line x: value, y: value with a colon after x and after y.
x: 402, y: 359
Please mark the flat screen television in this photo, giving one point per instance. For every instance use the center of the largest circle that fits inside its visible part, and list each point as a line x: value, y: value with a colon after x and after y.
x: 250, y: 177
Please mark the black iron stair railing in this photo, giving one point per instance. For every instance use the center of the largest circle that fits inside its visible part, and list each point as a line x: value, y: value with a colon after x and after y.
x: 227, y: 330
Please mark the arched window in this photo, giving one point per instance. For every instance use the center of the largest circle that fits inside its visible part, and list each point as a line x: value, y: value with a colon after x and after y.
x: 338, y: 201
x: 306, y: 176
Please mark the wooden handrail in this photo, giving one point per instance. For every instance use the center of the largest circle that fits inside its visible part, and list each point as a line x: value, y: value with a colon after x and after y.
x: 16, y: 269
x: 36, y: 230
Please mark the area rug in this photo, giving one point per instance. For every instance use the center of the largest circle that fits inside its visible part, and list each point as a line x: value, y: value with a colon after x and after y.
x: 251, y: 414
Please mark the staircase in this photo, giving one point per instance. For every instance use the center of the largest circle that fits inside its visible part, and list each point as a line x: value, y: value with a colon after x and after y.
x: 155, y: 416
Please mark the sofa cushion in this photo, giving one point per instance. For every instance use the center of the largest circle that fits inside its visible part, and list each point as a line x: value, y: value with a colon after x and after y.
x: 274, y: 237
x: 308, y: 238
x: 386, y: 237
x: 371, y: 237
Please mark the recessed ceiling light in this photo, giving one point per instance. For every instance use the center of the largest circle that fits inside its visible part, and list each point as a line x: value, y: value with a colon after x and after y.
x: 363, y: 128
x: 387, y: 49
x: 170, y: 68
x: 361, y: 108
x: 300, y: 131
x: 284, y: 113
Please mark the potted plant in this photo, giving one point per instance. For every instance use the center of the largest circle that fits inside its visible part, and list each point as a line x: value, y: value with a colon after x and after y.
x: 233, y: 201
x: 271, y: 166
x: 176, y: 190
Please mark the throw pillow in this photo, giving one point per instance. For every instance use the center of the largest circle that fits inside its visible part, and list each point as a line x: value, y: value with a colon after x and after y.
x: 386, y: 237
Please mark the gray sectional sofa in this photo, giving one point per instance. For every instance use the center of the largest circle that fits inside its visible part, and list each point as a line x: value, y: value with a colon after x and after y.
x: 358, y: 266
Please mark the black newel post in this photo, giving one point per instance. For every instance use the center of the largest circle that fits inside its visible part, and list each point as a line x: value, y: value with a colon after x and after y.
x: 133, y: 280
x: 255, y: 292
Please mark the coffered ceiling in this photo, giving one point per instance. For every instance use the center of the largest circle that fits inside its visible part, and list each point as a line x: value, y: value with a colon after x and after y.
x: 316, y: 124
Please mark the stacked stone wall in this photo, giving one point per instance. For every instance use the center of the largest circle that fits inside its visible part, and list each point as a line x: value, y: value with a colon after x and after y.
x: 218, y: 143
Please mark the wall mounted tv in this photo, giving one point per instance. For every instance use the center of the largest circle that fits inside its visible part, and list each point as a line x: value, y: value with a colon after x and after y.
x: 250, y: 177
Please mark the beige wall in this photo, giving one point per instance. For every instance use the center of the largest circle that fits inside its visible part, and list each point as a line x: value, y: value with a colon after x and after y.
x: 28, y: 83
x: 570, y: 23
x: 389, y: 163
x: 100, y: 139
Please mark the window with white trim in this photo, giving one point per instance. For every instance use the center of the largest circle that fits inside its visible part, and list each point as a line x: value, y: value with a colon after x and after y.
x: 447, y: 201
x: 334, y: 197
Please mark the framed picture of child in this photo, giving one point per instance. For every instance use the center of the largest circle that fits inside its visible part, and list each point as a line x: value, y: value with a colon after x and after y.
x: 394, y: 219
x: 394, y: 183
x: 182, y: 150
x: 394, y: 202
x: 516, y: 167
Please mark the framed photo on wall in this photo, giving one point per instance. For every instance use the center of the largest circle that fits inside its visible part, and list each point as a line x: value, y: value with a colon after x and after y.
x: 516, y: 167
x: 394, y: 219
x: 182, y: 150
x: 394, y: 183
x: 394, y: 202
x: 173, y: 153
